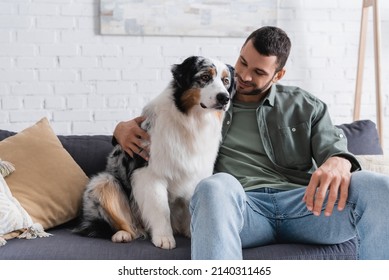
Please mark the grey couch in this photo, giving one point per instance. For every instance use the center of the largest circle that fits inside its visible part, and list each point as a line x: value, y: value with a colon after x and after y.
x: 90, y: 153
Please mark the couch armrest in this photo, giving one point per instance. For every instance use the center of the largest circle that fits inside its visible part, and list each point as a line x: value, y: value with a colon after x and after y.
x: 374, y: 163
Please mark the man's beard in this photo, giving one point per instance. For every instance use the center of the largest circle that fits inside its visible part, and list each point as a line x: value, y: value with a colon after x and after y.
x: 258, y: 91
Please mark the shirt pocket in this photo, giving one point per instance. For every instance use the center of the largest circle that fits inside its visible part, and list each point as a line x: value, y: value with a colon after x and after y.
x: 295, y: 151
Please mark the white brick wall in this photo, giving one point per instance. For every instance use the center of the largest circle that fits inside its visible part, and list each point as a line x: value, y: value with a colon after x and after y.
x: 54, y: 63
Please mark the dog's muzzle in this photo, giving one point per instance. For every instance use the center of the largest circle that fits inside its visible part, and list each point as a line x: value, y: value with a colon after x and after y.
x: 222, y: 100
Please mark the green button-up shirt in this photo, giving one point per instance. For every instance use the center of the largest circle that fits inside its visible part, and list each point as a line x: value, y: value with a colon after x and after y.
x: 296, y: 132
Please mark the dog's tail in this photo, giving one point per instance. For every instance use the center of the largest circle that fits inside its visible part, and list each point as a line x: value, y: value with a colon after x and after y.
x: 91, y: 221
x: 94, y: 228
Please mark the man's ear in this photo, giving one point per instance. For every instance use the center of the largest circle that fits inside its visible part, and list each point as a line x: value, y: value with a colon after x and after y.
x: 279, y: 75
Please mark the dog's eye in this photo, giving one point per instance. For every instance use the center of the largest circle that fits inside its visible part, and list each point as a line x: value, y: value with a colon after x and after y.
x: 205, y: 77
x: 226, y: 81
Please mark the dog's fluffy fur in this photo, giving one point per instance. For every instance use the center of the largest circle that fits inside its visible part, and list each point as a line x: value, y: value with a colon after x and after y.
x: 133, y: 197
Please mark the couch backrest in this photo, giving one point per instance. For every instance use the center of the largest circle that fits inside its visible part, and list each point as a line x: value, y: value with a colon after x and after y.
x: 91, y: 152
x: 362, y: 137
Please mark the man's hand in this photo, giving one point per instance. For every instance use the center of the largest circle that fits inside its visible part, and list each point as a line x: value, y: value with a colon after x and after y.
x: 331, y: 179
x: 131, y: 137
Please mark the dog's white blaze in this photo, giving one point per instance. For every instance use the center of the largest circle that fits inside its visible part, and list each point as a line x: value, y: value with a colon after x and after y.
x: 209, y: 92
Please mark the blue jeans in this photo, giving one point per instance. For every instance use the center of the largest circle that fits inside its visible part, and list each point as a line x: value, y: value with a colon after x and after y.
x: 226, y: 219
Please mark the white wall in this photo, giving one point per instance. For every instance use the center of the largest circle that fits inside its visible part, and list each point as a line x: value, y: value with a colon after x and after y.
x: 54, y: 63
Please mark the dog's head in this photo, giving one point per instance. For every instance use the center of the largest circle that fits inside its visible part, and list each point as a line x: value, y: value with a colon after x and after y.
x: 204, y: 83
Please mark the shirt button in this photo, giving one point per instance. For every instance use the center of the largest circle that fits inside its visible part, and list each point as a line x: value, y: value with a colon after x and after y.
x: 293, y: 129
x: 228, y: 122
x: 341, y: 135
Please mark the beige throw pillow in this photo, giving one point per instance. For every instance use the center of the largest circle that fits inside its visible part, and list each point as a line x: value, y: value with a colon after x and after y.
x: 47, y: 182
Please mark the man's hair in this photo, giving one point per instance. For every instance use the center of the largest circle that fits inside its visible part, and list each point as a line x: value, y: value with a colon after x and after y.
x: 270, y: 40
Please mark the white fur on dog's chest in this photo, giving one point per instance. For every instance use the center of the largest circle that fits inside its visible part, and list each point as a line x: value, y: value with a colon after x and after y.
x: 183, y: 150
x: 183, y: 147
x: 183, y: 153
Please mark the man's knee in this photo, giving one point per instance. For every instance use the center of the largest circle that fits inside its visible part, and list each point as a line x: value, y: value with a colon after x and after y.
x: 369, y: 179
x: 218, y: 185
x: 218, y: 189
x: 369, y: 184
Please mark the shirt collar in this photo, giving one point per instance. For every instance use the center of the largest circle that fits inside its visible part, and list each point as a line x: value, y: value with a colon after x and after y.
x: 269, y: 99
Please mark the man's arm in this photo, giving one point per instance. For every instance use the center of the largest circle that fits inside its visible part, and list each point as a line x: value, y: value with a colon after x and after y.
x: 129, y: 135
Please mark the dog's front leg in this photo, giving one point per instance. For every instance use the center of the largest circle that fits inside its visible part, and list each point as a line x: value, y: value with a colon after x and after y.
x: 151, y: 195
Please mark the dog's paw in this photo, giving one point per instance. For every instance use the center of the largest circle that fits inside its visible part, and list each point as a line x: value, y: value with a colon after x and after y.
x: 164, y: 241
x: 122, y: 237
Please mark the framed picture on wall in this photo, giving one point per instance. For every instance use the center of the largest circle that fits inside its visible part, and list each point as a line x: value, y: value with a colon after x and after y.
x: 216, y: 18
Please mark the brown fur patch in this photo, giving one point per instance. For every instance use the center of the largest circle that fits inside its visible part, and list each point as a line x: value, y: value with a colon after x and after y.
x: 219, y: 115
x: 190, y: 98
x: 113, y: 201
x: 225, y: 73
x: 212, y: 72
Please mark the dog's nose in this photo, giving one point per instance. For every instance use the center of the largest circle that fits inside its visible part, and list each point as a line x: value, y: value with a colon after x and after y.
x: 222, y: 98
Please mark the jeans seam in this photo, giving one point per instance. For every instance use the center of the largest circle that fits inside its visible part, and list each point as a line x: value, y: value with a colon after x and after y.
x: 242, y: 213
x: 192, y: 211
x: 357, y: 216
x: 278, y: 216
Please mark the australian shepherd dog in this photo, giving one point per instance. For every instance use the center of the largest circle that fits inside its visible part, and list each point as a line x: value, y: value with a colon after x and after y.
x: 133, y: 198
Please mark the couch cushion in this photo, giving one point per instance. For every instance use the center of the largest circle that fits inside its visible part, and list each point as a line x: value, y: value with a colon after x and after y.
x: 344, y: 251
x: 47, y: 182
x: 5, y: 134
x: 362, y: 137
x: 65, y: 245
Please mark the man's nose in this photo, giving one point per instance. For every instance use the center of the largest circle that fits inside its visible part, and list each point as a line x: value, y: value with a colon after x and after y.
x: 245, y: 75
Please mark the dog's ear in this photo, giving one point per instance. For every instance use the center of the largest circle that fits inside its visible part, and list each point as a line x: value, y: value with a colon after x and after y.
x: 231, y: 89
x: 183, y: 73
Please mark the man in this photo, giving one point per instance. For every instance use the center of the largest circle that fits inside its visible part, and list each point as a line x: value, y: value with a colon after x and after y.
x: 283, y: 173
